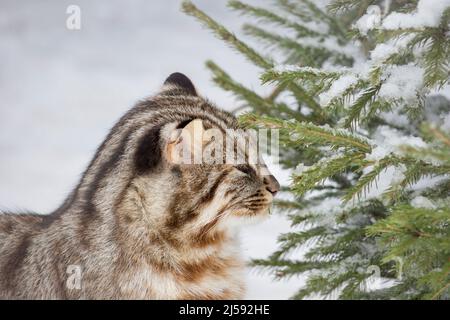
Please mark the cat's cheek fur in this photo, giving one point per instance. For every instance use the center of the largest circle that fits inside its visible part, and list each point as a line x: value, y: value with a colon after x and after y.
x: 215, y: 211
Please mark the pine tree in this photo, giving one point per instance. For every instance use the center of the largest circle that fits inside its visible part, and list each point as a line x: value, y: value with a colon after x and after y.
x: 366, y: 132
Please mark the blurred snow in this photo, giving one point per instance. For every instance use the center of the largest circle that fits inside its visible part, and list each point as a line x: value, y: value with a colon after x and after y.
x: 61, y: 90
x: 428, y: 14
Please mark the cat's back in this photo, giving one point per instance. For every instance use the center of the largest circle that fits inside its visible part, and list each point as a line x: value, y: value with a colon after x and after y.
x: 15, y: 226
x: 16, y: 231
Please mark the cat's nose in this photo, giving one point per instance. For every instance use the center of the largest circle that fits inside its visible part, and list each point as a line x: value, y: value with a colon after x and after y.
x: 272, y: 184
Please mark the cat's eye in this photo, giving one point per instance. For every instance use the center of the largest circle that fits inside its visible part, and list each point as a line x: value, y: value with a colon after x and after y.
x: 245, y: 168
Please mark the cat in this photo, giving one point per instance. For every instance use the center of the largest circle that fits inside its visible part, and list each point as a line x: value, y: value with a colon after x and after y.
x: 140, y: 225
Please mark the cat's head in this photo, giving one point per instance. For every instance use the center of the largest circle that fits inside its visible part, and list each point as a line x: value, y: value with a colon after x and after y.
x: 196, y: 170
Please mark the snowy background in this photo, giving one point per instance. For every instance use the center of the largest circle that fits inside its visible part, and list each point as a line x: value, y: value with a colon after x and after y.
x: 61, y: 90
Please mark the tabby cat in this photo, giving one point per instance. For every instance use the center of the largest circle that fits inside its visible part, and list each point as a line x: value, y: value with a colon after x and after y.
x: 140, y: 225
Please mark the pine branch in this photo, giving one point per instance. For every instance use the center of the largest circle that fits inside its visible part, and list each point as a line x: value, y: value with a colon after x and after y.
x: 328, y: 285
x: 222, y: 33
x: 338, y: 104
x: 306, y: 133
x: 300, y: 53
x: 256, y: 102
x: 303, y: 218
x: 269, y: 16
x: 364, y: 183
x: 345, y: 5
x: 318, y: 173
x: 415, y: 170
x: 421, y: 237
x: 288, y: 205
x: 276, y: 92
x: 294, y: 9
x: 334, y: 25
x: 445, y: 288
x: 429, y: 222
x: 295, y: 52
x: 436, y: 57
x: 372, y: 208
x: 302, y: 96
x: 284, y: 268
x: 365, y: 99
x: 437, y: 134
x: 439, y: 280
x: 292, y: 240
x: 342, y: 247
x: 304, y: 74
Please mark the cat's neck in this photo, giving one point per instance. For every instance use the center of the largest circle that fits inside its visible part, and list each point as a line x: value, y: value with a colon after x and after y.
x: 142, y: 232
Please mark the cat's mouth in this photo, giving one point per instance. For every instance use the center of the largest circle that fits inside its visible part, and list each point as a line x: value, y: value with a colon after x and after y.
x: 260, y: 212
x: 256, y: 205
x: 249, y: 216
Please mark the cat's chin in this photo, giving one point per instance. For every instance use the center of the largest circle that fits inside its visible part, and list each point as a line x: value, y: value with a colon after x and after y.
x: 247, y: 217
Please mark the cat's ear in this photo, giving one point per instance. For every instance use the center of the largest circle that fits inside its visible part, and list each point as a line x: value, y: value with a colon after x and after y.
x: 185, y: 145
x: 178, y: 83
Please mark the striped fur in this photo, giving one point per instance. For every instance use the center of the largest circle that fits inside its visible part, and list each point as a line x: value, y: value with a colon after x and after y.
x: 138, y: 226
